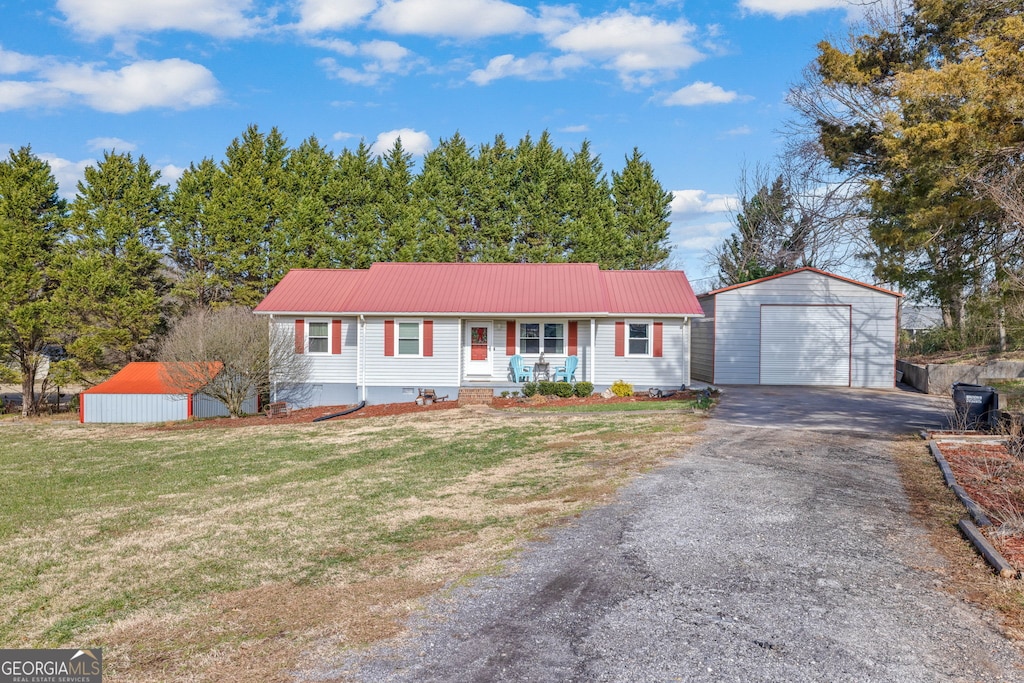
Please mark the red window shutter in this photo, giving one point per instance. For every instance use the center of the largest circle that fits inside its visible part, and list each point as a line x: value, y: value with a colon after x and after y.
x: 574, y: 331
x: 336, y: 337
x: 389, y: 337
x: 300, y: 336
x: 428, y: 337
x: 657, y: 340
x: 510, y: 338
x: 620, y: 338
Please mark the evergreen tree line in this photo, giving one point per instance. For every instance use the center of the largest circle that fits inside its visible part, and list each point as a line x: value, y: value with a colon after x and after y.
x: 103, y: 275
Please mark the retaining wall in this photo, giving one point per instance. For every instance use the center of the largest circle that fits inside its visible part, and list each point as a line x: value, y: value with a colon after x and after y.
x: 938, y: 378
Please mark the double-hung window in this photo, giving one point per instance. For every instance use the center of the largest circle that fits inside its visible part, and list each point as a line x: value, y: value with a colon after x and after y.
x: 318, y: 337
x: 639, y: 342
x: 408, y: 339
x: 537, y: 337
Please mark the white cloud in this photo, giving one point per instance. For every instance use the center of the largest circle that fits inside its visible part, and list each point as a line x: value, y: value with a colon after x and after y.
x: 784, y: 8
x: 582, y: 128
x: 171, y: 174
x: 67, y: 173
x: 222, y: 18
x: 739, y: 130
x: 704, y: 236
x: 453, y: 18
x: 415, y: 142
x: 698, y: 93
x: 342, y: 135
x: 323, y: 15
x: 532, y: 68
x: 641, y: 49
x: 15, y: 62
x: 382, y: 57
x: 687, y: 204
x: 342, y: 47
x: 170, y: 83
x: 101, y: 144
x: 27, y: 94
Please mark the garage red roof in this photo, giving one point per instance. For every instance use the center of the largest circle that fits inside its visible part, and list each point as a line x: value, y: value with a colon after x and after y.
x: 499, y: 288
x: 801, y: 270
x: 152, y: 378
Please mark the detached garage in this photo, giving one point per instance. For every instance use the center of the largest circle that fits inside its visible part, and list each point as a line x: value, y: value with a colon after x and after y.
x: 804, y: 327
x: 143, y: 392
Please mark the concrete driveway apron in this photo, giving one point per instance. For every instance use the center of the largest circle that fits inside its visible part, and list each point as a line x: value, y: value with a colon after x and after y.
x: 779, y: 549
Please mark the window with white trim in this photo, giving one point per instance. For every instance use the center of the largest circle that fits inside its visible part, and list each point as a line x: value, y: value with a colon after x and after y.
x: 537, y: 337
x: 318, y: 337
x: 639, y: 341
x: 408, y: 339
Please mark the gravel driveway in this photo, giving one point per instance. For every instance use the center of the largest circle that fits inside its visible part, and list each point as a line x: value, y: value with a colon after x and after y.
x: 779, y: 549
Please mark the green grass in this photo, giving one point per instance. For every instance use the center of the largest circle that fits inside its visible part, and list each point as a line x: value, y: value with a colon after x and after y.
x: 620, y: 407
x: 108, y: 528
x: 1011, y: 394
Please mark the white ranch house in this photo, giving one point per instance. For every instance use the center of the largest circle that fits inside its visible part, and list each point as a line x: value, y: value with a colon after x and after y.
x: 380, y: 335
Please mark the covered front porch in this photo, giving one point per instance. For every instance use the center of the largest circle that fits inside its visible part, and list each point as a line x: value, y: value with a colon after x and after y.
x: 488, y: 347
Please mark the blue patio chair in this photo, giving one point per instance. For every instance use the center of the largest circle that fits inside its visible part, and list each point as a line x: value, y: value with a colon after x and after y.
x: 568, y: 371
x: 520, y: 373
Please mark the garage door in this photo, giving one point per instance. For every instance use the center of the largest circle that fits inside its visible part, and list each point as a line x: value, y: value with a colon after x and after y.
x: 805, y: 345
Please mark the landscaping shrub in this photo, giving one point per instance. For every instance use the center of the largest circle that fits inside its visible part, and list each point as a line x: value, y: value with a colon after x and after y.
x: 620, y: 388
x: 562, y: 389
x: 546, y: 388
x: 529, y: 389
x: 584, y: 389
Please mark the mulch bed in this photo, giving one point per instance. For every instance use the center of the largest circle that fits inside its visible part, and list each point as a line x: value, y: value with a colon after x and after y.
x: 386, y: 409
x: 995, y: 480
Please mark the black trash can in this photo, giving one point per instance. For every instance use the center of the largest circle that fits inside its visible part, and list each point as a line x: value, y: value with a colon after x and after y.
x: 975, y: 406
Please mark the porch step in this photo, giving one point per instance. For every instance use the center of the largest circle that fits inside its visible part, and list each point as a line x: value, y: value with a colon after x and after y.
x: 475, y: 396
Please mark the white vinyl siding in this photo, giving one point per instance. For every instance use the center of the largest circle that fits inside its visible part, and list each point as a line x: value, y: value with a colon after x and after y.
x: 441, y: 369
x: 737, y: 331
x: 805, y: 345
x: 329, y: 368
x: 672, y: 369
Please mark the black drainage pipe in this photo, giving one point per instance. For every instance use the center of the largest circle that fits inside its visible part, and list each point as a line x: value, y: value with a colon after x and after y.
x: 344, y: 412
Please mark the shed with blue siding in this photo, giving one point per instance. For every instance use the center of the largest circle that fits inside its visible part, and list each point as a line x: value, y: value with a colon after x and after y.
x: 803, y: 327
x: 143, y: 392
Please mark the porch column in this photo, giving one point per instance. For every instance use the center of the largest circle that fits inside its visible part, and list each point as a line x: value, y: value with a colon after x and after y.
x: 593, y: 356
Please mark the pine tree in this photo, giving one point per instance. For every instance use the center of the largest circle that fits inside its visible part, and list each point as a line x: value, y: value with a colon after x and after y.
x: 594, y: 236
x: 31, y: 228
x: 642, y: 209
x: 196, y: 284
x: 112, y: 281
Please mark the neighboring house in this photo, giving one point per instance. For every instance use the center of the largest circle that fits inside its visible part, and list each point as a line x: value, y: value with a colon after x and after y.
x: 916, y: 318
x: 804, y: 327
x: 382, y: 334
x: 143, y: 392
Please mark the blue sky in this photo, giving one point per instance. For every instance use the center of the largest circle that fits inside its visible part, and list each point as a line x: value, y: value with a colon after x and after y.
x: 698, y: 86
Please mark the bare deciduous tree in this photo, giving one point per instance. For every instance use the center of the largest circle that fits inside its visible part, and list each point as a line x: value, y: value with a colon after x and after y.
x: 243, y: 349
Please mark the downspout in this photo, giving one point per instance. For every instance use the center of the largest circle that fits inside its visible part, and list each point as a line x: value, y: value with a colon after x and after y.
x: 462, y: 351
x: 361, y: 359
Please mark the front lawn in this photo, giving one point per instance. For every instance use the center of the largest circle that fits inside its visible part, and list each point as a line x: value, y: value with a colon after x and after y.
x: 182, y: 553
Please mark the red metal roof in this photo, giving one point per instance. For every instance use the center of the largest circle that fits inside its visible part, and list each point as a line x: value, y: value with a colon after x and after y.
x: 150, y: 378
x: 473, y: 288
x: 313, y: 290
x: 801, y: 270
